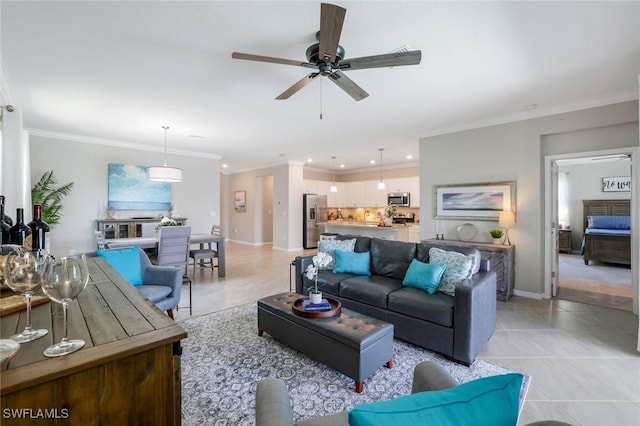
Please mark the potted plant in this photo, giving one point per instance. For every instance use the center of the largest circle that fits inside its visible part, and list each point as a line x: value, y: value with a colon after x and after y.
x: 389, y: 211
x: 320, y: 260
x: 496, y: 234
x: 49, y: 196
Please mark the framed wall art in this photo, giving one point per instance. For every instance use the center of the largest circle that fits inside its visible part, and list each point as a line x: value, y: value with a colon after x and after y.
x: 240, y: 201
x: 616, y: 184
x: 473, y: 201
x: 129, y: 189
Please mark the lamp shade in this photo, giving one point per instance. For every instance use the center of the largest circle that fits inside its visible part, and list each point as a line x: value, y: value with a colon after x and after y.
x: 164, y: 174
x: 506, y: 219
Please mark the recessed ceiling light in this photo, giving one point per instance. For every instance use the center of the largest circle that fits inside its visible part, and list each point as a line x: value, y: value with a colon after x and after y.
x: 309, y: 160
x: 342, y: 166
x: 409, y: 157
x: 372, y: 161
x: 224, y: 166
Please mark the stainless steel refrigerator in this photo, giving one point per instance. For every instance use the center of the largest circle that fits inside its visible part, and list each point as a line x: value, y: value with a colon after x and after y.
x: 314, y: 209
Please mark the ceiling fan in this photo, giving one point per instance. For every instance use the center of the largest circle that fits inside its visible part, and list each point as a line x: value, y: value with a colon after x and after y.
x: 327, y: 57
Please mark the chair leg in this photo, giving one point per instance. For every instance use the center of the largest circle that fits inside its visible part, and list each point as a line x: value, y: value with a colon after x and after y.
x: 170, y: 312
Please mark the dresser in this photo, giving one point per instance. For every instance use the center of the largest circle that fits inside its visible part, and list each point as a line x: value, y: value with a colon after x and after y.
x: 129, y: 228
x: 501, y: 260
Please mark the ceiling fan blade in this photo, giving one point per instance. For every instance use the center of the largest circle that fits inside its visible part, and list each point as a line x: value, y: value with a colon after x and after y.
x: 412, y: 57
x: 331, y: 20
x: 299, y: 85
x: 348, y: 85
x: 259, y: 58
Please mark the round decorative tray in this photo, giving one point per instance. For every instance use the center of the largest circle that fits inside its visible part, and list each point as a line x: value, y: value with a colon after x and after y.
x: 467, y: 231
x: 336, y: 308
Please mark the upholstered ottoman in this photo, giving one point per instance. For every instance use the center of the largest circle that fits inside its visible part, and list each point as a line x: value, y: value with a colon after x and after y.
x: 354, y: 344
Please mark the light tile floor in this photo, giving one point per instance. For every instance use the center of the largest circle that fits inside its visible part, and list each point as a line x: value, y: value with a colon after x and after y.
x: 582, y: 359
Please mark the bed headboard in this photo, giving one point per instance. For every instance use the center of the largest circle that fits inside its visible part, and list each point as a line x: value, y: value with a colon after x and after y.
x: 604, y: 208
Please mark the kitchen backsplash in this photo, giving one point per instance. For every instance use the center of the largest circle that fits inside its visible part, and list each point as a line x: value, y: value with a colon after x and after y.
x: 373, y: 214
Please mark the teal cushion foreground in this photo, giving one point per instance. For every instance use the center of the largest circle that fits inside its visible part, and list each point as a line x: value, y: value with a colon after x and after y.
x: 352, y: 263
x: 126, y: 261
x: 425, y: 276
x: 490, y: 401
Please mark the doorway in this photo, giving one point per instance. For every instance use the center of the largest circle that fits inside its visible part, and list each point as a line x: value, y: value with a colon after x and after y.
x: 572, y: 179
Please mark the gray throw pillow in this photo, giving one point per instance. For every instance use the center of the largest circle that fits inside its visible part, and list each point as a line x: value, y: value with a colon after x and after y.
x: 459, y: 267
x: 329, y: 246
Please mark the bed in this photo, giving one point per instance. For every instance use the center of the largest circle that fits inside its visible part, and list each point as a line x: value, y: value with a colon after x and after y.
x: 607, y: 231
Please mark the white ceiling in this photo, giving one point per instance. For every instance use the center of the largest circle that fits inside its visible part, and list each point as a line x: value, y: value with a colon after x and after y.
x: 119, y: 71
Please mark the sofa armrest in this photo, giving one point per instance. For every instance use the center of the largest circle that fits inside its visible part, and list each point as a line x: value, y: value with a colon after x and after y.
x: 162, y: 275
x: 431, y: 376
x: 301, y: 263
x: 273, y: 406
x: 474, y: 315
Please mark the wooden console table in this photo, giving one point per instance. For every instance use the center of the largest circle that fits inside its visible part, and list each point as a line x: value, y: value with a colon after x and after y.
x: 501, y: 260
x: 128, y: 228
x: 127, y: 373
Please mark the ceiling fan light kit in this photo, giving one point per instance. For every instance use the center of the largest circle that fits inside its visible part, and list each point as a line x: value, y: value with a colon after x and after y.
x: 164, y: 173
x: 327, y: 57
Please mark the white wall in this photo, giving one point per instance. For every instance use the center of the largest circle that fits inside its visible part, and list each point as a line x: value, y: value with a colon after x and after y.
x: 197, y: 197
x: 515, y: 151
x: 584, y: 181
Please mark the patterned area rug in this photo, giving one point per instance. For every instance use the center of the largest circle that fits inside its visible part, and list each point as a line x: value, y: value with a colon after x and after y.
x: 223, y: 360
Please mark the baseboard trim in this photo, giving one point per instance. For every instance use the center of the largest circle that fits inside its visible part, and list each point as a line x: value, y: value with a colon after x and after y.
x: 528, y: 294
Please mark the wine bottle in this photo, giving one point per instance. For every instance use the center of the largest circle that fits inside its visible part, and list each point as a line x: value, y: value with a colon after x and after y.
x: 38, y: 228
x: 19, y: 232
x: 4, y: 226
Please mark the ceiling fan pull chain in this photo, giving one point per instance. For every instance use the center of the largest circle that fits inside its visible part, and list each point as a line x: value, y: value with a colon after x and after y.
x: 320, y: 99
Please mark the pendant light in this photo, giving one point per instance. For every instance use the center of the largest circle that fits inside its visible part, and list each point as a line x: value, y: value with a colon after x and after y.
x: 381, y: 184
x: 164, y: 173
x: 334, y: 188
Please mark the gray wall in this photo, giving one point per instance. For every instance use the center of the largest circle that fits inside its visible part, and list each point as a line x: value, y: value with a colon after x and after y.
x: 197, y: 197
x: 515, y: 152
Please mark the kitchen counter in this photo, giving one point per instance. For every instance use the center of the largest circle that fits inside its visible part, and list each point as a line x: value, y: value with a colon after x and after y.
x: 395, y: 232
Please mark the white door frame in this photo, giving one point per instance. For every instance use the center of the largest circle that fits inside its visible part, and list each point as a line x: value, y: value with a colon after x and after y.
x: 549, y: 231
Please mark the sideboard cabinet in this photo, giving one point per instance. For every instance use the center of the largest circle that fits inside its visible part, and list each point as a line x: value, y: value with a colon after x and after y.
x: 501, y: 260
x: 129, y: 228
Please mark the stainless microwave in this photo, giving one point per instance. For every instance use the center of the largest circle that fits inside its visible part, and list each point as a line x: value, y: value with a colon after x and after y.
x: 399, y: 199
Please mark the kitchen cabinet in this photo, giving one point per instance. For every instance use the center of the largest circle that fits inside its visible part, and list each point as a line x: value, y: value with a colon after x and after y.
x: 414, y: 234
x: 414, y: 190
x: 310, y: 186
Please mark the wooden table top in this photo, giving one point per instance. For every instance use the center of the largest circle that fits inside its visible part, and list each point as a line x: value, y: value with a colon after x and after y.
x: 110, y: 315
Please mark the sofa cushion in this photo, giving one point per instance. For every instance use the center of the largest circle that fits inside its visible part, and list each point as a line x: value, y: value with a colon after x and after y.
x: 436, y: 308
x: 126, y: 261
x: 459, y: 267
x: 352, y: 263
x: 491, y: 401
x: 330, y: 246
x: 425, y: 276
x: 370, y: 289
x: 328, y: 282
x: 362, y: 243
x: 391, y: 258
x: 155, y: 293
x: 422, y: 252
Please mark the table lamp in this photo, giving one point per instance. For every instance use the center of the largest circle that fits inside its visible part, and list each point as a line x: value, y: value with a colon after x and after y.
x: 506, y: 220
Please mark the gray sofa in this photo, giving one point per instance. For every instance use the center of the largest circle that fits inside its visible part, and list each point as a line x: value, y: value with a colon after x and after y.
x: 455, y: 326
x: 273, y: 405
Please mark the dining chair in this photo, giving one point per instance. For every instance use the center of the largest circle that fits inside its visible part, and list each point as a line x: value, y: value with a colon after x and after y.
x: 205, y: 256
x: 173, y: 250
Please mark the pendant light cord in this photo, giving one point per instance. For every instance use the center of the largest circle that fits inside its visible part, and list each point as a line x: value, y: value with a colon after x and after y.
x: 165, y: 144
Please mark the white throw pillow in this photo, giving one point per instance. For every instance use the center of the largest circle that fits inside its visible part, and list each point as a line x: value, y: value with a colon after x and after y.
x: 459, y: 267
x: 329, y: 246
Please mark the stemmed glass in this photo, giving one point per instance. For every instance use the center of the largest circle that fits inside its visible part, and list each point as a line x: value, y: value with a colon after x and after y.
x: 23, y: 272
x: 64, y: 279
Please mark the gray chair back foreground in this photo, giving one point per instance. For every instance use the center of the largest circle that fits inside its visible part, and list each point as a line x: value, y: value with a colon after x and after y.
x: 173, y: 250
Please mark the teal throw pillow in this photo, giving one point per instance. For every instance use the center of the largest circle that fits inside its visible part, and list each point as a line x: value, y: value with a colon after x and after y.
x: 330, y: 246
x: 425, y: 276
x: 459, y: 267
x: 490, y: 401
x: 352, y: 263
x: 126, y: 261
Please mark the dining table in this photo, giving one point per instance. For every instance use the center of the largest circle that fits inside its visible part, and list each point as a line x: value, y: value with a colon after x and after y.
x: 152, y: 242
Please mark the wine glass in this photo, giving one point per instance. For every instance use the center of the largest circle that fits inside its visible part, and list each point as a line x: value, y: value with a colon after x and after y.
x: 23, y: 272
x: 64, y: 279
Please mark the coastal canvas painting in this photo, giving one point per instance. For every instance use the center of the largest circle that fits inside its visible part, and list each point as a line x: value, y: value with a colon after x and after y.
x: 482, y: 201
x: 129, y: 189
